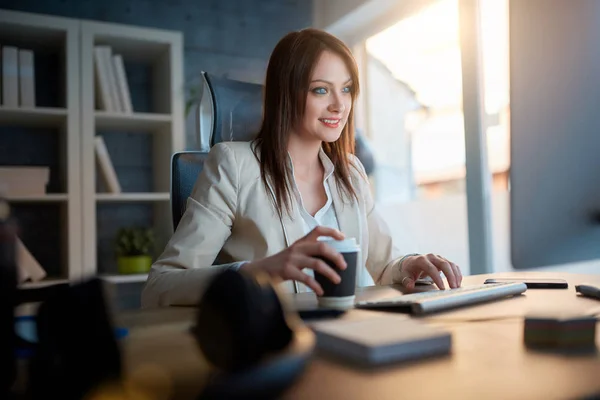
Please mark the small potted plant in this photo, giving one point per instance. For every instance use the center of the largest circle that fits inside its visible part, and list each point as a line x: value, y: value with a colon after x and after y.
x: 134, y: 248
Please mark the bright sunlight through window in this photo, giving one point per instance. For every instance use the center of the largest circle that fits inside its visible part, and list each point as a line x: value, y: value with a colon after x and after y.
x: 423, y: 51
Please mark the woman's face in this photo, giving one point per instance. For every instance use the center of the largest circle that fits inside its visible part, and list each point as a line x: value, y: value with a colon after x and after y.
x: 329, y: 100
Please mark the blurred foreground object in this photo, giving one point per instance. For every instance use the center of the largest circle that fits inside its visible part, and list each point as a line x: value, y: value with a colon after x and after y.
x: 76, y: 349
x: 8, y: 295
x: 560, y: 332
x: 245, y: 329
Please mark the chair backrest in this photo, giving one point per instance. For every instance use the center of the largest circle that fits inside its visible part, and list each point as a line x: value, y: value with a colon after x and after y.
x: 185, y: 167
x: 237, y: 109
x: 364, y: 152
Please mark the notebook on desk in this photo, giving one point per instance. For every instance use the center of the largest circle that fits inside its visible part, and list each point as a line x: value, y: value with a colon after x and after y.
x: 381, y: 339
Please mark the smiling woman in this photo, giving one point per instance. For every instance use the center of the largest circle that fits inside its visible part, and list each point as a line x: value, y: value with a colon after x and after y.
x: 318, y: 78
x: 263, y: 206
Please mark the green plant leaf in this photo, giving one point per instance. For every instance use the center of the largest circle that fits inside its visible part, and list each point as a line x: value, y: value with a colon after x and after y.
x: 134, y: 241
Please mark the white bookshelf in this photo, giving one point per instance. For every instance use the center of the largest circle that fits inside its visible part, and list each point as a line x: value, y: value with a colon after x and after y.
x: 58, y: 36
x: 77, y: 120
x: 162, y: 52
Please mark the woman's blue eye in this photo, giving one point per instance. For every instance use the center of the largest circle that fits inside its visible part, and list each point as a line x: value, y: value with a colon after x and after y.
x: 323, y: 90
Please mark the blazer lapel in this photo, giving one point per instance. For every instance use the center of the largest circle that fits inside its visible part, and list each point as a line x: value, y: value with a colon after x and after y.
x: 292, y: 231
x: 347, y: 213
x: 291, y: 225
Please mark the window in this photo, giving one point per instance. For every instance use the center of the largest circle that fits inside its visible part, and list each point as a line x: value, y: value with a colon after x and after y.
x: 412, y: 106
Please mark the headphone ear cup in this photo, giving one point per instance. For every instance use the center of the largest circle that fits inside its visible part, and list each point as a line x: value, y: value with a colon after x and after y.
x: 240, y: 319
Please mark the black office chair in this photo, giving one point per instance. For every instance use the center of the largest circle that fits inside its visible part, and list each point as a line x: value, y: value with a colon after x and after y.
x: 229, y: 110
x: 185, y: 168
x: 237, y: 109
x: 364, y: 152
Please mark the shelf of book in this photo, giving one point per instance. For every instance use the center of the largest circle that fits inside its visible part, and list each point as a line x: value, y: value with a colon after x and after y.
x: 46, y: 198
x: 115, y: 110
x: 132, y: 197
x: 132, y: 122
x: 70, y: 111
x: 66, y: 124
x: 40, y: 127
x: 113, y: 278
x: 33, y: 117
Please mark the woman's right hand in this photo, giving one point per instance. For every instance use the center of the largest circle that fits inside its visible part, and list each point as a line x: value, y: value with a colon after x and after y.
x: 289, y: 263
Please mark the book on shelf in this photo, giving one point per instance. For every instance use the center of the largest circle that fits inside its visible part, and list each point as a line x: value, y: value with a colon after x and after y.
x: 103, y: 89
x: 107, y: 170
x: 10, y: 76
x: 26, y: 78
x: 112, y: 78
x: 112, y: 89
x: 28, y: 267
x: 123, y: 87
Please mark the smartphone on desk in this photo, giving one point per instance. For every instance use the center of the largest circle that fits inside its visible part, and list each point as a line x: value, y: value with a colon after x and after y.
x: 533, y: 283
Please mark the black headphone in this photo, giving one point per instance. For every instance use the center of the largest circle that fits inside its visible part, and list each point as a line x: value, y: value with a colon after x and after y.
x: 245, y: 329
x: 240, y: 319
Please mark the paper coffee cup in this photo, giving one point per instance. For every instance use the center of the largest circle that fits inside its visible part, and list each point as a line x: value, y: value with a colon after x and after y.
x: 341, y: 295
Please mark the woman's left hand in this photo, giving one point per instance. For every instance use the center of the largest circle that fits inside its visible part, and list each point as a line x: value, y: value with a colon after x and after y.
x: 415, y: 267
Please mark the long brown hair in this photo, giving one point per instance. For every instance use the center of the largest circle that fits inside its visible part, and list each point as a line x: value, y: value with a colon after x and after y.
x: 286, y: 88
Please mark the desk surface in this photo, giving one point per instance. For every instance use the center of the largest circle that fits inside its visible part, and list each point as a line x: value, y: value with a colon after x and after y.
x: 488, y: 359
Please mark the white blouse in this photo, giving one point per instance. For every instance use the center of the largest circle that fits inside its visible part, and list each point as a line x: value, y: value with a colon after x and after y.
x: 324, y: 217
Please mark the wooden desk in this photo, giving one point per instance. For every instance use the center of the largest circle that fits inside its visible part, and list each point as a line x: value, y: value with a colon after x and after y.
x: 488, y: 360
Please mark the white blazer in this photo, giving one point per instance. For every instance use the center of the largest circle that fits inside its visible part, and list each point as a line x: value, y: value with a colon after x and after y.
x: 230, y: 217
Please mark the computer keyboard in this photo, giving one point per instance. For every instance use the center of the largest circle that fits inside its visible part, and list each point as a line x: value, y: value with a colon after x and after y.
x: 438, y: 300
